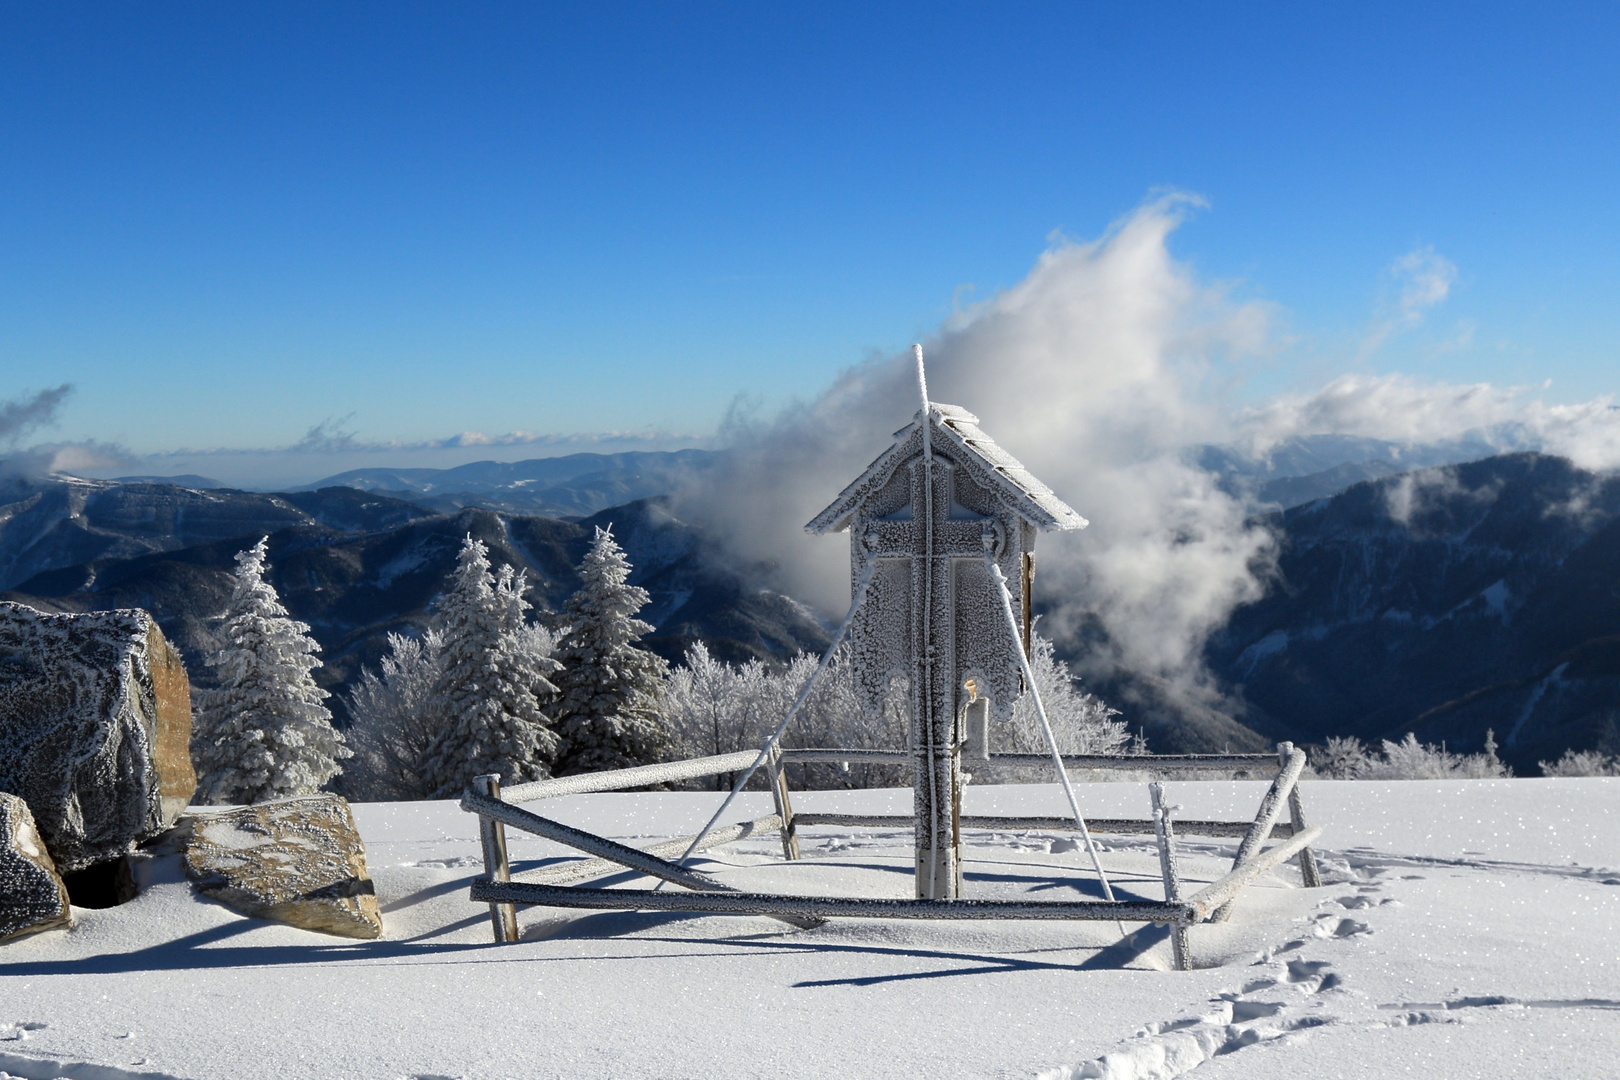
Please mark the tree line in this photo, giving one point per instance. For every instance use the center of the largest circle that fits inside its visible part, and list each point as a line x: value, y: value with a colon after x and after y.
x: 489, y: 689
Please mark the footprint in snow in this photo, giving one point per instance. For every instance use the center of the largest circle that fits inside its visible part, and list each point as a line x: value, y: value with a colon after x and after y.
x: 1331, y: 926
x: 1174, y: 1047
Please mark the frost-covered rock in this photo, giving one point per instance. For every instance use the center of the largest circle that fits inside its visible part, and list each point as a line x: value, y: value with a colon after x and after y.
x: 95, y: 729
x: 32, y: 896
x: 298, y: 861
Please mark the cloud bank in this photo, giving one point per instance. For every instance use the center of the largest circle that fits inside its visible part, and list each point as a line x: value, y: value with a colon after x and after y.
x: 1401, y: 409
x: 28, y: 413
x: 1103, y: 372
x: 1090, y: 371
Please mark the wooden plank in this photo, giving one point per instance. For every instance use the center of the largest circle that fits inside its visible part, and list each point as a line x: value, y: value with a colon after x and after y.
x: 1308, y: 872
x: 784, y: 805
x: 1270, y: 809
x: 1114, y: 826
x: 1220, y: 894
x: 693, y: 768
x: 1148, y: 762
x: 1180, y: 945
x: 837, y: 755
x: 808, y: 907
x: 582, y: 869
x: 623, y: 779
x: 600, y: 846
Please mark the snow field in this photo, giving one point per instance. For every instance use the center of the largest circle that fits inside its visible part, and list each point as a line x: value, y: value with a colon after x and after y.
x: 1467, y: 928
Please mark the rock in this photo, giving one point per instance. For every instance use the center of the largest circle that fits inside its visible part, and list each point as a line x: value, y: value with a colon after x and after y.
x: 298, y: 861
x: 95, y: 729
x: 32, y: 896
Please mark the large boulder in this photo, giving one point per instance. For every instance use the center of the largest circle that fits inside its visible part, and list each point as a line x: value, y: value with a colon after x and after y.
x: 95, y: 729
x: 297, y: 861
x: 32, y: 896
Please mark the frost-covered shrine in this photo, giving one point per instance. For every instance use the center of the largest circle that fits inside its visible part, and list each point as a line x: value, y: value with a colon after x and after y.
x: 930, y: 521
x: 942, y: 539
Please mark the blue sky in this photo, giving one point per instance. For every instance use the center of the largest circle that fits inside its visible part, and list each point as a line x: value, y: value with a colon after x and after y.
x: 225, y: 224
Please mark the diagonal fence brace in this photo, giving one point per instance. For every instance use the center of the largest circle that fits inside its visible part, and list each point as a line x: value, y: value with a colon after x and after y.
x: 602, y: 847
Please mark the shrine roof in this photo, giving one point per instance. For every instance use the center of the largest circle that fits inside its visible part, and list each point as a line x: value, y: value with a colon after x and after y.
x: 955, y: 433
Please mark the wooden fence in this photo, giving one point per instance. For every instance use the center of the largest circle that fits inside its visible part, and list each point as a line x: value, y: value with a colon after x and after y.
x: 497, y: 809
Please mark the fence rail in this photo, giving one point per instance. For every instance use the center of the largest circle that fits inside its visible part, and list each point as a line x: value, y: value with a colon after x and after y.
x: 497, y: 809
x: 720, y: 764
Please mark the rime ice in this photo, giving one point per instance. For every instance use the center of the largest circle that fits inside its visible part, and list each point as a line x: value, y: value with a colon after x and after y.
x: 925, y: 513
x: 95, y: 717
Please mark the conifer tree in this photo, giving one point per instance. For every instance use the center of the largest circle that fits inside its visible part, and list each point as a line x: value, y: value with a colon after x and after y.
x: 264, y: 733
x: 486, y: 702
x: 609, y: 713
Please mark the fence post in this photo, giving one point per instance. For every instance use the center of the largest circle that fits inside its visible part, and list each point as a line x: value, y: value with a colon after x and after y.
x: 1270, y: 809
x: 1180, y: 940
x: 1308, y: 873
x: 784, y: 805
x: 493, y: 836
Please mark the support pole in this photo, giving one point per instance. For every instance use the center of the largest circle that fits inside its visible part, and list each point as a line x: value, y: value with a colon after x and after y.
x: 1000, y: 581
x: 492, y: 835
x: 775, y: 737
x: 1180, y: 945
x: 1308, y: 873
x: 1029, y: 590
x: 929, y: 724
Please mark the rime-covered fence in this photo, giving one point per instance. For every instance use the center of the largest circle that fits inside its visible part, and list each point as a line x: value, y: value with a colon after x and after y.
x: 497, y: 809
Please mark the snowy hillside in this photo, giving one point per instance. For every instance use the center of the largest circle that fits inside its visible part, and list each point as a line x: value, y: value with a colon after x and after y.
x: 1445, y: 602
x: 1468, y: 929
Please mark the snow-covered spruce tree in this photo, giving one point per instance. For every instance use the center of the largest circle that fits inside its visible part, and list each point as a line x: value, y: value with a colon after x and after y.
x: 610, y: 715
x: 263, y: 733
x: 391, y: 722
x: 701, y: 699
x: 1343, y: 758
x: 486, y: 701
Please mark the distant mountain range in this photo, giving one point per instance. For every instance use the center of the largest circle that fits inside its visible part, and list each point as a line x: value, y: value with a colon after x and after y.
x: 572, y: 486
x: 1303, y: 468
x: 47, y: 525
x: 1443, y: 601
x: 355, y: 577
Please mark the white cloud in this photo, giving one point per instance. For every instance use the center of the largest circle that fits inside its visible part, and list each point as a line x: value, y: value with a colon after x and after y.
x: 21, y: 415
x: 1394, y: 407
x: 1402, y: 409
x: 1424, y: 279
x: 1421, y: 279
x: 1089, y: 371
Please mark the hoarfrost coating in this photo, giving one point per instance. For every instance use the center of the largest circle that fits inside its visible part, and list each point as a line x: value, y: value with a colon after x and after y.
x: 486, y: 699
x: 607, y: 713
x: 264, y: 733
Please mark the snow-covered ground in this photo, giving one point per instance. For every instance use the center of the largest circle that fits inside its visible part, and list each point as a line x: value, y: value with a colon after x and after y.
x: 1468, y: 928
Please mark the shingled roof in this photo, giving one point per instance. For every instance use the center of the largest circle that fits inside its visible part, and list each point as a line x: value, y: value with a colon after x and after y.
x: 955, y: 432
